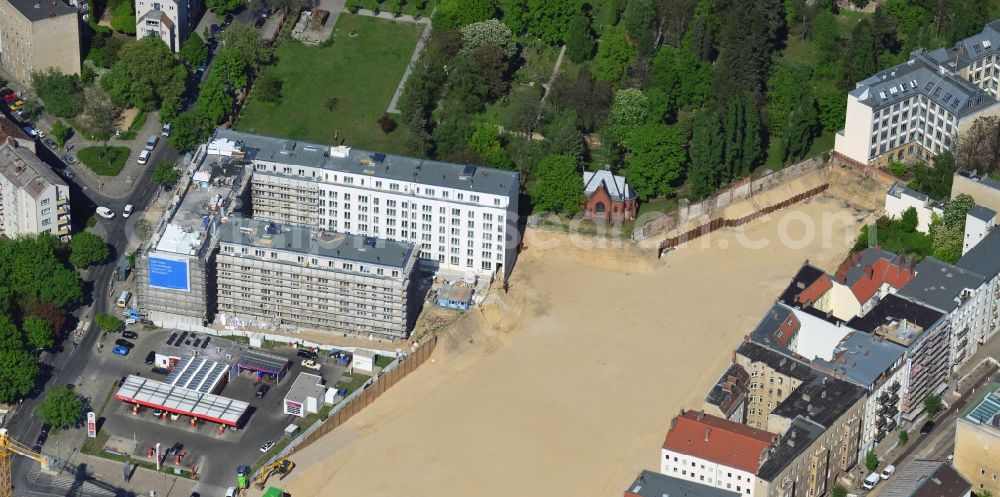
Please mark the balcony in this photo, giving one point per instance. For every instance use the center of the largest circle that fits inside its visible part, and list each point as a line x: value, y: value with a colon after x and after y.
x: 64, y: 230
x: 61, y: 201
x: 880, y: 422
x: 895, y: 387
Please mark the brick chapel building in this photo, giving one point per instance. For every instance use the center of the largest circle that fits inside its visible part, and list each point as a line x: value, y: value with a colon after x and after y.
x: 609, y: 198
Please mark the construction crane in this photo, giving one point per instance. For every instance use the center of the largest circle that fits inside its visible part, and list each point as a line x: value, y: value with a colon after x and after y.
x: 281, y: 466
x: 9, y: 447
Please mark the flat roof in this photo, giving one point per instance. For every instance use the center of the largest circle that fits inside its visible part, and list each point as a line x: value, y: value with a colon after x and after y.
x: 198, y: 374
x: 263, y: 362
x: 983, y: 259
x: 862, y: 358
x: 323, y: 243
x: 388, y: 166
x: 784, y: 328
x: 822, y: 399
x: 985, y: 406
x: 39, y: 10
x: 982, y: 213
x: 650, y: 484
x: 456, y: 293
x: 160, y: 395
x: 897, y: 319
x: 306, y: 385
x: 940, y: 285
x: 898, y: 190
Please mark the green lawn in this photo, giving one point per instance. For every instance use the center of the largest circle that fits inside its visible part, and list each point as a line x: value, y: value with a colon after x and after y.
x: 356, y: 381
x: 895, y: 240
x: 103, y: 163
x: 360, y: 72
x: 384, y: 360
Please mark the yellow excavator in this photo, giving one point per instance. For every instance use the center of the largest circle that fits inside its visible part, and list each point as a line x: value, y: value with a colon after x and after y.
x: 281, y: 467
x: 9, y: 447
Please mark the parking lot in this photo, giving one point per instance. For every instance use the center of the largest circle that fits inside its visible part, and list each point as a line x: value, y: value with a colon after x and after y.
x: 215, y: 452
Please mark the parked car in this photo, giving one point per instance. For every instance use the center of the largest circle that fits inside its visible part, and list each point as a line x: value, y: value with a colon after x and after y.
x: 259, y: 23
x: 30, y: 131
x: 119, y: 350
x: 870, y: 481
x: 214, y: 30
x: 262, y: 391
x: 158, y: 413
x: 143, y: 157
x: 308, y: 354
x: 159, y: 370
x: 927, y: 427
x: 105, y: 213
x: 166, y: 130
x: 130, y: 334
x: 52, y: 143
x: 68, y: 159
x: 42, y: 437
x: 10, y: 97
x: 128, y: 211
x: 151, y: 142
x: 121, y: 342
x: 310, y: 364
x: 66, y: 173
x: 150, y: 358
x: 16, y: 105
x: 23, y: 113
x: 888, y: 471
x: 265, y: 12
x: 267, y: 446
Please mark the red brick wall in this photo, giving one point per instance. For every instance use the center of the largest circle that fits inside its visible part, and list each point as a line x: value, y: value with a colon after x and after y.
x: 614, y: 212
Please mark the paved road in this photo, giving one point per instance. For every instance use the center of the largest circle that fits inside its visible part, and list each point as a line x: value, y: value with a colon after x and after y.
x: 73, y: 364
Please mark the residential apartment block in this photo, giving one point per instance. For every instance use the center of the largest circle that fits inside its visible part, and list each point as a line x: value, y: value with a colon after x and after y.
x: 38, y: 34
x: 872, y: 274
x: 917, y: 109
x: 727, y: 399
x: 773, y: 378
x: 924, y: 332
x: 982, y: 259
x: 33, y: 199
x: 928, y: 478
x: 292, y: 277
x: 651, y: 484
x: 169, y: 20
x: 977, y: 441
x: 462, y: 218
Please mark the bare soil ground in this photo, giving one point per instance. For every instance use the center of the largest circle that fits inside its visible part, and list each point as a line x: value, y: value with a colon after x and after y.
x: 566, y: 385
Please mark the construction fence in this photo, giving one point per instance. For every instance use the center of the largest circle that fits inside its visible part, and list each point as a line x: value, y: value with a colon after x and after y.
x: 720, y: 223
x: 738, y: 190
x: 373, y: 390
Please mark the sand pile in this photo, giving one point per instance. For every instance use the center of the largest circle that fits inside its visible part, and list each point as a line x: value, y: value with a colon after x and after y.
x: 565, y: 386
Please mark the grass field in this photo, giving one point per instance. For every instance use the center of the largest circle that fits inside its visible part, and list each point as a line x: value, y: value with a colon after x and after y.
x: 361, y: 72
x: 104, y: 164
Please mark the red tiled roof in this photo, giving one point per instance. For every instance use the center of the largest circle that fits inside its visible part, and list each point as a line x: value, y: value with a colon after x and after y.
x: 884, y: 271
x: 718, y: 440
x: 813, y: 292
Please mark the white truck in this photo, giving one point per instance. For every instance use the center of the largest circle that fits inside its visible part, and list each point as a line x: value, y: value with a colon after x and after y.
x: 870, y: 481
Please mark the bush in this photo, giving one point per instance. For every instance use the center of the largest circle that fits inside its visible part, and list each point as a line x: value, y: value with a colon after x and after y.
x: 61, y: 132
x: 104, y: 161
x: 108, y: 322
x: 386, y: 123
x: 933, y: 405
x: 898, y: 169
x: 904, y: 436
x: 871, y: 460
x: 909, y: 221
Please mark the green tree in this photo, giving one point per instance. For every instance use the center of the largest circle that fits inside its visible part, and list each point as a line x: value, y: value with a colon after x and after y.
x: 485, y: 141
x: 523, y: 113
x: 825, y: 41
x: 580, y: 39
x: 268, y: 87
x: 223, y: 8
x: 62, y: 407
x: 742, y: 132
x: 871, y: 460
x: 904, y: 436
x: 37, y: 333
x: 214, y: 101
x: 467, y: 89
x: 838, y: 491
x: 614, y: 55
x: 123, y: 17
x: 194, y: 51
x: 228, y: 66
x: 682, y: 77
x: 545, y: 19
x: 656, y: 158
x: 18, y: 371
x: 60, y: 132
x: 108, y: 322
x: 747, y: 42
x: 629, y: 109
x: 702, y: 36
x: 705, y: 149
x: 245, y: 42
x: 59, y: 92
x: 10, y: 338
x: 589, y: 98
x: 933, y: 405
x: 898, y: 169
x: 166, y: 174
x: 457, y: 13
x: 87, y: 249
x: 832, y: 109
x: 486, y: 33
x: 908, y: 221
x: 638, y: 21
x: 189, y: 130
x: 559, y: 187
x: 563, y: 137
x: 935, y: 180
x: 145, y: 74
x: 861, y: 55
x: 948, y: 233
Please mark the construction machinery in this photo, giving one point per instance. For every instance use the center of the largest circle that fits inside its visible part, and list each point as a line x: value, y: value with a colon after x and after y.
x: 281, y: 467
x: 8, y: 448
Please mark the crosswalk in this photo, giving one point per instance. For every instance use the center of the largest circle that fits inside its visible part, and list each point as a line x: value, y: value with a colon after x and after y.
x: 68, y: 484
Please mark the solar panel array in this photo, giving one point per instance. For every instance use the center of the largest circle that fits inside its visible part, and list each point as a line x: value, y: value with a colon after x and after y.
x: 197, y: 373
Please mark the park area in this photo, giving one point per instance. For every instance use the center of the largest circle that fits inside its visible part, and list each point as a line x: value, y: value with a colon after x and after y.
x: 104, y: 161
x: 338, y: 92
x: 566, y: 384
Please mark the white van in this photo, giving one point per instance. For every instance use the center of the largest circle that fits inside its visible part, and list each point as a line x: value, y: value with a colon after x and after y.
x: 870, y: 481
x: 123, y: 299
x: 888, y: 471
x: 231, y: 492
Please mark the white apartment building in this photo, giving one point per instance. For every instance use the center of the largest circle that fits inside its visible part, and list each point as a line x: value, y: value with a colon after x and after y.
x: 294, y: 278
x: 917, y: 109
x: 462, y: 218
x: 168, y: 20
x: 33, y: 199
x: 899, y: 198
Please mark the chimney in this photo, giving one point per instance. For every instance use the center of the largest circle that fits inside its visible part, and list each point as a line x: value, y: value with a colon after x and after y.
x: 822, y: 395
x: 793, y: 433
x: 700, y: 416
x: 707, y: 433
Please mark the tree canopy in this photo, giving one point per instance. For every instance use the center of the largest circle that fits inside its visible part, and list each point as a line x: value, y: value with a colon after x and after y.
x: 656, y: 159
x: 194, y: 51
x: 62, y: 407
x: 457, y: 13
x: 559, y: 187
x: 86, y: 249
x: 59, y: 92
x: 145, y: 74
